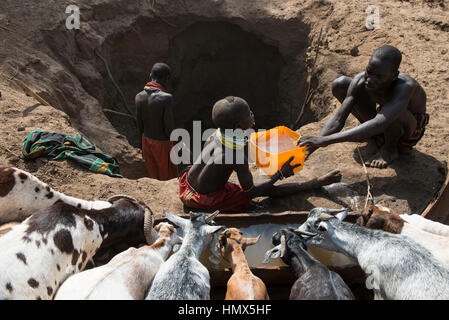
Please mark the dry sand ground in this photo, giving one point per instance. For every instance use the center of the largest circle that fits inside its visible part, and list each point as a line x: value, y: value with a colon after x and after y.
x: 420, y: 29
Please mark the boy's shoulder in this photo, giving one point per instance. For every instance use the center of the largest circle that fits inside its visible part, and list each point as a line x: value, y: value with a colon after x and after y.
x: 407, y: 80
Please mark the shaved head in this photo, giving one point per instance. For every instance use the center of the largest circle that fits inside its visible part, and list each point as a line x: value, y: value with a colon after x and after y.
x: 230, y: 113
x: 390, y: 54
x: 160, y: 71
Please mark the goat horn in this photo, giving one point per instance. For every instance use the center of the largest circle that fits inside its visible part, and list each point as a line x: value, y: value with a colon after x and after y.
x: 148, y: 222
x: 326, y: 217
x: 306, y: 233
x: 212, y: 216
x: 121, y: 196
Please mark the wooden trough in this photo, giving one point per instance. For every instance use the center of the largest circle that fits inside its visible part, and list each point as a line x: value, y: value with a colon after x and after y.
x: 438, y: 209
x: 278, y: 279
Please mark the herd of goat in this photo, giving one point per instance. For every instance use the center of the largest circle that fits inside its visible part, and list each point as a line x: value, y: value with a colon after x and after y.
x: 48, y: 241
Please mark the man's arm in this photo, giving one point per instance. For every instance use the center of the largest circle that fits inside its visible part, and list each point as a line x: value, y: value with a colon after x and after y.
x: 338, y: 120
x: 377, y: 125
x: 381, y: 121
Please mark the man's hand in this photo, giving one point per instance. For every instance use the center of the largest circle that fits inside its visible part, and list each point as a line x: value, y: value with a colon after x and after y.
x: 312, y: 141
x: 287, y: 168
x: 309, y: 151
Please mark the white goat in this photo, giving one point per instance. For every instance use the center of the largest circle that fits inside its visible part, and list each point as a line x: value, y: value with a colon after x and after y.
x: 397, y: 267
x: 22, y: 194
x: 427, y: 225
x: 127, y: 276
x: 182, y: 276
x: 37, y: 255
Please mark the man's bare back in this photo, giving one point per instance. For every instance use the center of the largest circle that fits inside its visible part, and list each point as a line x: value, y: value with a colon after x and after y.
x: 212, y: 176
x: 155, y: 124
x: 154, y: 110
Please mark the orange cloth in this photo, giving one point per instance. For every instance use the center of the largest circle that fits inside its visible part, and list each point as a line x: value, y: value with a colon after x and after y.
x: 156, y: 154
x: 229, y: 198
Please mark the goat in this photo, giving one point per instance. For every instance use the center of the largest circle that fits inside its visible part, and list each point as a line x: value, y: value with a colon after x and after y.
x: 427, y: 225
x: 127, y: 276
x: 397, y: 267
x: 384, y: 218
x: 315, y: 281
x: 37, y: 255
x: 22, y: 194
x: 182, y: 276
x: 243, y: 284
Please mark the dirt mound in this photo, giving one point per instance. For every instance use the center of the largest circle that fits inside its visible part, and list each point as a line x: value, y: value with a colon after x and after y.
x: 263, y: 51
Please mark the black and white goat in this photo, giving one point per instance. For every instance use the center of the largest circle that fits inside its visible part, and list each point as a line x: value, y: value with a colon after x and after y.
x: 315, y: 281
x: 22, y: 194
x: 37, y: 255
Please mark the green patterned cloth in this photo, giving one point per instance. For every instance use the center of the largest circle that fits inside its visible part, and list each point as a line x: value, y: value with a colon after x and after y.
x: 65, y: 146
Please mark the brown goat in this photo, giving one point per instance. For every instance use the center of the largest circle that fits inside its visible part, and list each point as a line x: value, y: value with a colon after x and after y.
x: 382, y: 218
x: 243, y: 284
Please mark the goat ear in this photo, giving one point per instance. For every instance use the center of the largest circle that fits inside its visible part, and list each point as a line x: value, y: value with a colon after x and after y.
x: 213, y: 229
x: 223, y: 239
x: 340, y: 214
x: 360, y: 221
x: 282, y: 246
x: 178, y: 239
x: 273, y: 253
x: 377, y: 222
x: 251, y: 241
x: 177, y: 220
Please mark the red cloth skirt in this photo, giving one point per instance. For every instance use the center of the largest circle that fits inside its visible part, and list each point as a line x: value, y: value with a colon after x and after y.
x: 230, y: 198
x: 156, y: 154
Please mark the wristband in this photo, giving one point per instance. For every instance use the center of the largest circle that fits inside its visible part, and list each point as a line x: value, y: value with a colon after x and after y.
x: 279, y: 173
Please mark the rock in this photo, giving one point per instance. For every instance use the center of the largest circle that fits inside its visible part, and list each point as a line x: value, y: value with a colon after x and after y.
x: 355, y: 51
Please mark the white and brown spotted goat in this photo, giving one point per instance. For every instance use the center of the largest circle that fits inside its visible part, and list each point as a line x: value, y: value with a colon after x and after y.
x: 37, y: 255
x: 243, y: 284
x: 22, y: 194
x: 417, y: 228
x: 127, y: 276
